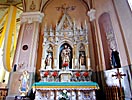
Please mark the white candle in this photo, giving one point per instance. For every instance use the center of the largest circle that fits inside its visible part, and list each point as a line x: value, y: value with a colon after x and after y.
x: 55, y: 62
x: 88, y: 63
x: 72, y: 63
x: 80, y: 63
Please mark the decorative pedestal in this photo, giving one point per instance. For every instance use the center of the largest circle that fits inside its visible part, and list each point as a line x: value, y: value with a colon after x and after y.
x: 65, y: 76
x: 15, y: 83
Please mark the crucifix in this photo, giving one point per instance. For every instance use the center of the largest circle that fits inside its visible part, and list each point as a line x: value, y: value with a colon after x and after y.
x: 118, y: 76
x: 64, y: 8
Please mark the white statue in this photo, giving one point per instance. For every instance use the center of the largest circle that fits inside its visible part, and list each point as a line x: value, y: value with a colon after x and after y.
x: 65, y: 55
x: 82, y: 61
x: 80, y: 95
x: 24, y: 85
x: 38, y: 96
x: 48, y: 61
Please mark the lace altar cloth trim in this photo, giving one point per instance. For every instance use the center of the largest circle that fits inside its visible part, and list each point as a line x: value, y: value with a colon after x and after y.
x: 66, y: 85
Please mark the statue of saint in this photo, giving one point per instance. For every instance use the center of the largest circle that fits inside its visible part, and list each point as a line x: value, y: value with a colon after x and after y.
x: 65, y: 55
x: 82, y: 61
x: 48, y: 61
x: 115, y: 59
x: 24, y: 85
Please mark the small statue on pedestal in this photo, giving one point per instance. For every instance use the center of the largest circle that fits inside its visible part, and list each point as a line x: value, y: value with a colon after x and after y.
x: 48, y: 61
x: 24, y: 85
x: 65, y: 55
x: 115, y: 60
x: 82, y: 61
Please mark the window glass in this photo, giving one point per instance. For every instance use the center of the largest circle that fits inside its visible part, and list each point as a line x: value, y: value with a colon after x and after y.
x: 130, y: 3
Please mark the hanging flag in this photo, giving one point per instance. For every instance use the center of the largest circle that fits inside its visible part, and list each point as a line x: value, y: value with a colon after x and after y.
x: 9, y: 32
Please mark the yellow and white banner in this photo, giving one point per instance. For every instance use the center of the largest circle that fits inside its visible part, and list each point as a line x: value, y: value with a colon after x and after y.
x: 9, y: 32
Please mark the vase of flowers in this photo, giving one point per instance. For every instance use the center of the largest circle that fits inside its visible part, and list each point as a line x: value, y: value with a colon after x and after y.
x: 65, y: 65
x: 64, y: 95
x: 46, y: 75
x: 77, y: 75
x: 85, y: 75
x: 55, y: 74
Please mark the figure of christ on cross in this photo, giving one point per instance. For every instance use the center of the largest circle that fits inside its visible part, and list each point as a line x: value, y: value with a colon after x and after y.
x: 119, y: 76
x: 64, y: 8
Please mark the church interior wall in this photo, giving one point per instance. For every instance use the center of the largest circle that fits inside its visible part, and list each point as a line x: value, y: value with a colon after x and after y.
x: 32, y: 5
x: 107, y: 6
x: 125, y: 17
x: 52, y: 17
x: 93, y: 52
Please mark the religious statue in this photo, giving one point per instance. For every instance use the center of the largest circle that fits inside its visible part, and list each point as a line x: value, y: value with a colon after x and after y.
x: 48, y: 61
x: 65, y: 55
x: 115, y: 60
x: 82, y: 61
x: 66, y: 25
x: 24, y: 85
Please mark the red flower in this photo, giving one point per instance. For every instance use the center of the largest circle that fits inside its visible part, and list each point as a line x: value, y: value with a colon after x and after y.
x: 55, y: 74
x: 77, y: 74
x: 65, y: 64
x: 85, y: 74
x: 46, y: 74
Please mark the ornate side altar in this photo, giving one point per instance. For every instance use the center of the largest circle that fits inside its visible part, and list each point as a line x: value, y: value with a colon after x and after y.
x: 65, y: 67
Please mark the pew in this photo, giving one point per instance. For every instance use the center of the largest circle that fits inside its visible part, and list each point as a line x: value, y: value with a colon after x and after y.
x: 112, y: 93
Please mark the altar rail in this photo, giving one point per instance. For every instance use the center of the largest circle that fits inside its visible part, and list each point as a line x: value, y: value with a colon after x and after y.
x: 76, y: 75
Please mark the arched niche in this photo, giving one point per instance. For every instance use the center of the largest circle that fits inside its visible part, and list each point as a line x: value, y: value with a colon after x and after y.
x: 107, y: 37
x: 53, y: 15
x: 65, y: 55
x: 82, y: 56
x: 47, y: 57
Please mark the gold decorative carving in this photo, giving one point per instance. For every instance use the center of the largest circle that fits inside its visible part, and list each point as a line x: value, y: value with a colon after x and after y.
x: 32, y: 6
x: 64, y: 8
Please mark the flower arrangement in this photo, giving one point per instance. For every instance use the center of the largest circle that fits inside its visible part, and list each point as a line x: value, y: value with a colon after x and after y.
x: 54, y: 74
x: 64, y: 95
x: 46, y: 73
x: 85, y: 74
x: 77, y: 74
x: 65, y: 64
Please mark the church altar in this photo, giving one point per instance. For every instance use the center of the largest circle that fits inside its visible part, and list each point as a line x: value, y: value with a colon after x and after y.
x: 76, y: 83
x: 66, y: 85
x: 66, y: 64
x: 75, y: 90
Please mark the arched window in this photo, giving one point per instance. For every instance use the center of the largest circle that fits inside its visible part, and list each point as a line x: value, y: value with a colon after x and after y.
x: 130, y: 4
x: 108, y: 37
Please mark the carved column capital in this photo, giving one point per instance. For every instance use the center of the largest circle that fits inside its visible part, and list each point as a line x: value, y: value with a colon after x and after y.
x: 91, y: 14
x: 30, y: 17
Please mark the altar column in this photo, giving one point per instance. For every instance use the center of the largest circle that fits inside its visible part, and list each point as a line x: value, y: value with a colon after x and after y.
x: 26, y: 52
x: 88, y: 61
x: 75, y: 60
x: 93, y: 40
x: 55, y: 66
